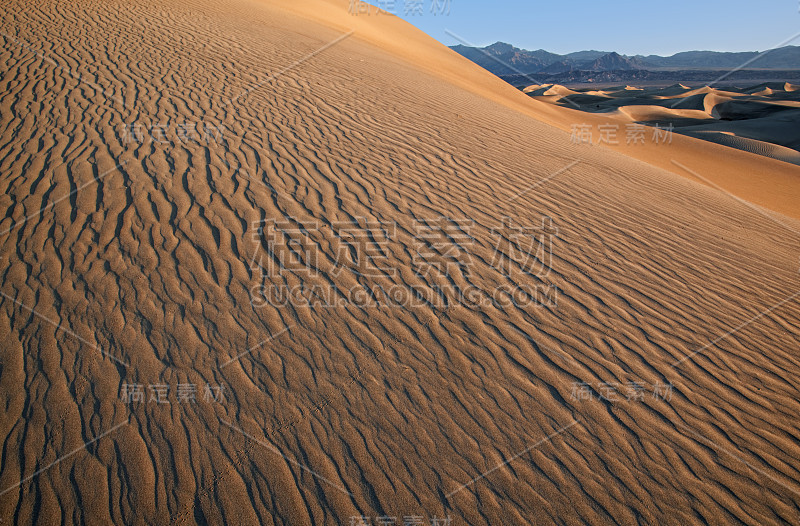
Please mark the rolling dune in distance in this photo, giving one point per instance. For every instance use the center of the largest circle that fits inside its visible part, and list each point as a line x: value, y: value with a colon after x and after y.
x: 760, y: 119
x: 718, y: 130
x: 266, y: 262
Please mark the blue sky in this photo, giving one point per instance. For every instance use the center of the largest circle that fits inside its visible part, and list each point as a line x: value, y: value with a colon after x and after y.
x: 626, y: 26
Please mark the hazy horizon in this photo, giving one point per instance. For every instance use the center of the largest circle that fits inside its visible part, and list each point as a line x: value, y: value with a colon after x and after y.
x: 794, y: 44
x: 627, y: 27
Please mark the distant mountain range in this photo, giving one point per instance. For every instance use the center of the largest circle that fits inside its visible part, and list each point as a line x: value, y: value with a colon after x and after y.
x: 506, y: 60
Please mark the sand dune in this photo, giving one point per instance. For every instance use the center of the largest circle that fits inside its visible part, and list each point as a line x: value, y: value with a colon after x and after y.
x: 166, y: 166
x: 648, y: 113
x: 744, y: 143
x: 751, y: 120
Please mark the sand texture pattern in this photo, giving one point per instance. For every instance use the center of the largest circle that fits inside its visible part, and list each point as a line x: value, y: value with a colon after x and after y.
x: 151, y: 151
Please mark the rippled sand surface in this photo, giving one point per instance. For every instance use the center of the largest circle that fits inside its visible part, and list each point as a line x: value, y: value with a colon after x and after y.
x: 271, y: 263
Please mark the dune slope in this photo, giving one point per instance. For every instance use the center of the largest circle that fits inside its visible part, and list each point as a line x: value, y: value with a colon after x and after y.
x: 744, y: 142
x: 542, y: 332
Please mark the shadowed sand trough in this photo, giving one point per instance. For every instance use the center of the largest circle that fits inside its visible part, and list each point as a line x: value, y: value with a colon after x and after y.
x: 168, y: 168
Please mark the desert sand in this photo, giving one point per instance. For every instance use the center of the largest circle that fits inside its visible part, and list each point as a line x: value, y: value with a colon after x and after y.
x: 163, y: 163
x: 760, y: 119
